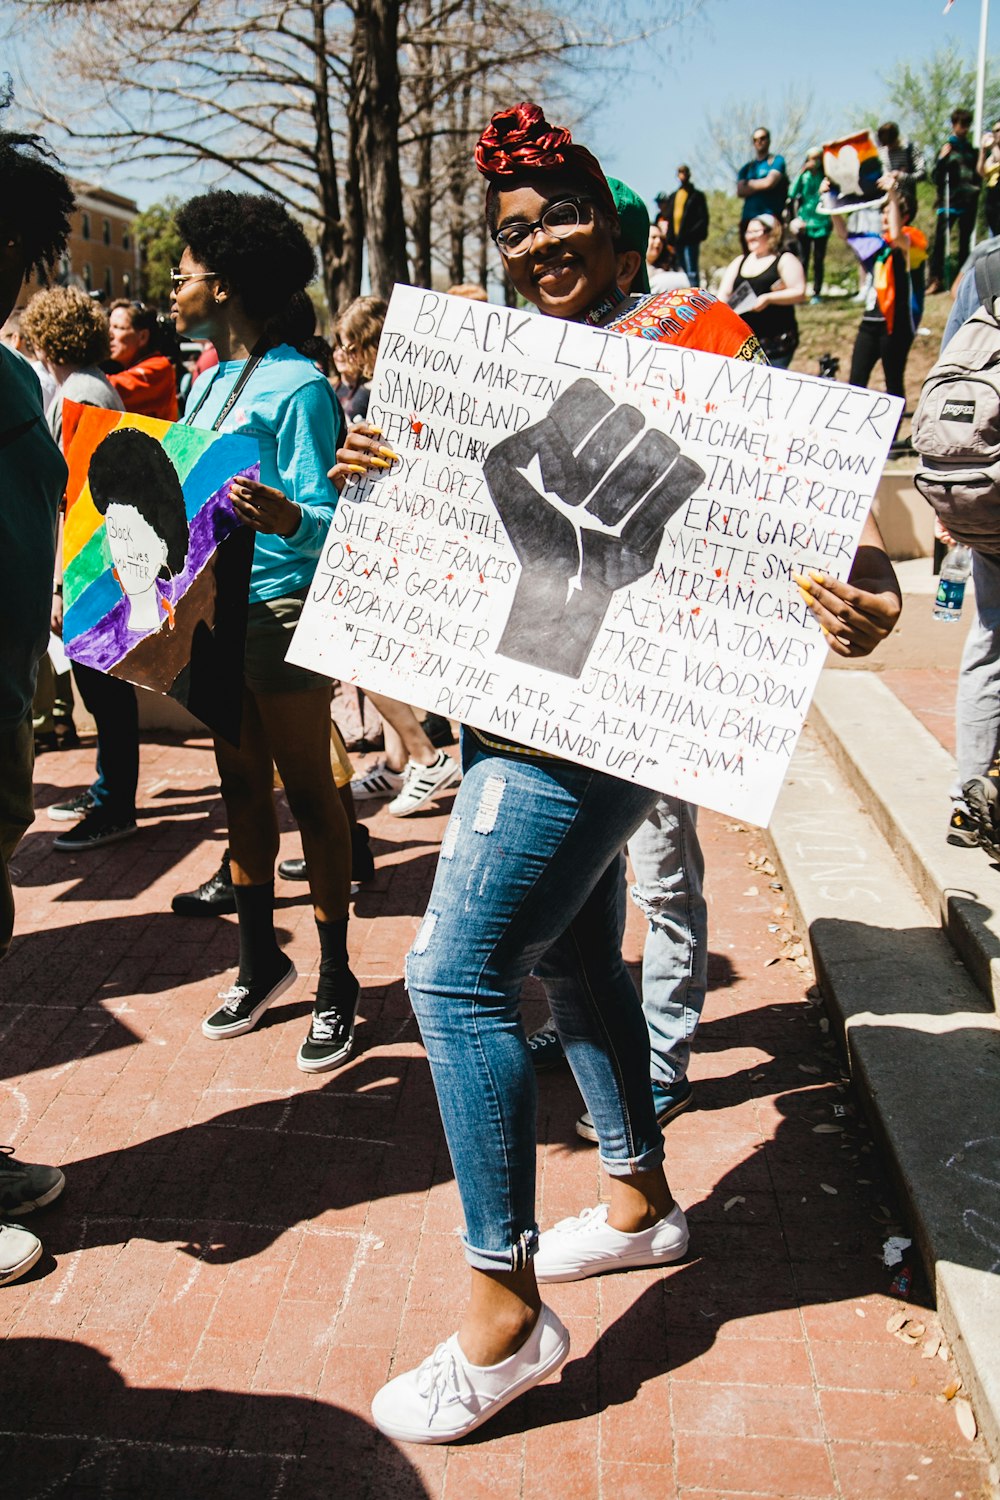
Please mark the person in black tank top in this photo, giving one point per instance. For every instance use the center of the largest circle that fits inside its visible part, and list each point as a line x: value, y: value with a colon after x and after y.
x: 763, y: 286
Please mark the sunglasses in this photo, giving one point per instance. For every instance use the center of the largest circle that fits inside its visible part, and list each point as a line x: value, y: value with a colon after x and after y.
x: 178, y: 278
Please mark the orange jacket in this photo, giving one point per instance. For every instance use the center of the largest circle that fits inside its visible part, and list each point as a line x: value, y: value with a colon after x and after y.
x: 149, y: 387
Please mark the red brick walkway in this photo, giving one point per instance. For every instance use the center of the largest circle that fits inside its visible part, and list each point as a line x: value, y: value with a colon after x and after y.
x: 243, y: 1254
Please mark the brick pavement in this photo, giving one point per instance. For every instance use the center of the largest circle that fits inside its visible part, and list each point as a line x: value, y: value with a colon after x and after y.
x: 243, y: 1253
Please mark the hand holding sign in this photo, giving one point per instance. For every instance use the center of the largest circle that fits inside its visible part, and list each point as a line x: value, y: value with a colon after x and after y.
x: 584, y: 499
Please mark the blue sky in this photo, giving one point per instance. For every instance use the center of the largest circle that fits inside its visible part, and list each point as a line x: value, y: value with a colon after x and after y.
x: 833, y: 50
x: 734, y: 50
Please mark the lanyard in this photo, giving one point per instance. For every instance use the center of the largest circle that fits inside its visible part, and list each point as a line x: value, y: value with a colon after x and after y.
x: 256, y: 355
x: 609, y: 305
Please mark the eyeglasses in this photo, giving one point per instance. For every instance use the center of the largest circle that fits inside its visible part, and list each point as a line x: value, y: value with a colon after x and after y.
x: 559, y: 219
x: 345, y: 348
x: 178, y: 278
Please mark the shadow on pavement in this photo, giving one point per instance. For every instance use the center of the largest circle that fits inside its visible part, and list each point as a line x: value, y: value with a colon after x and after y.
x: 71, y: 1427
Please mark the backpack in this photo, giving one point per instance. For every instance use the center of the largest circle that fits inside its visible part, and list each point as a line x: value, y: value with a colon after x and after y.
x: 956, y: 426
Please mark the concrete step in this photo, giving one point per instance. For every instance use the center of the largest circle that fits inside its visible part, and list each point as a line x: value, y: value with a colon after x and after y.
x: 922, y: 1038
x: 902, y: 775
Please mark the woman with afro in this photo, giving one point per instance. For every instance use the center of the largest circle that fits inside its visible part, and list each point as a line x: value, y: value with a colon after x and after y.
x: 245, y: 258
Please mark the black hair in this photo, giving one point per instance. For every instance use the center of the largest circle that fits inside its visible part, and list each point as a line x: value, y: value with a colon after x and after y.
x: 130, y: 468
x: 294, y: 323
x: 961, y: 117
x: 36, y: 200
x: 252, y: 244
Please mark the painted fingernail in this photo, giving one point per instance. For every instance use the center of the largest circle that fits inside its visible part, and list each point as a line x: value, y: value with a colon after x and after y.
x: 378, y: 463
x: 355, y: 469
x: 801, y: 580
x: 819, y: 577
x: 388, y: 453
x: 806, y: 596
x: 374, y: 431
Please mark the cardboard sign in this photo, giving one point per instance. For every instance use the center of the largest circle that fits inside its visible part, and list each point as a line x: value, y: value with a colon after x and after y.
x: 156, y: 562
x: 588, y: 543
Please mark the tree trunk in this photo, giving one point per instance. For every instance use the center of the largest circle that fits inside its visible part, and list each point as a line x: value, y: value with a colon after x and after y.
x: 333, y: 248
x: 354, y: 222
x: 375, y: 109
x: 422, y: 195
x: 459, y: 184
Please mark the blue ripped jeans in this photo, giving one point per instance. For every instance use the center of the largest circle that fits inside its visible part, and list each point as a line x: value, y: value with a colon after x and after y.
x: 530, y: 866
x: 669, y: 872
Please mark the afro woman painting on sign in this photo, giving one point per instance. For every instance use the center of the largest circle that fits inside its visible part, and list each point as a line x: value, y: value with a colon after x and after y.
x: 136, y: 489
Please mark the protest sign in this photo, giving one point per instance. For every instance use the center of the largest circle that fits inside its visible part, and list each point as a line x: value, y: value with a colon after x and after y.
x: 587, y: 545
x: 156, y: 563
x: 853, y: 168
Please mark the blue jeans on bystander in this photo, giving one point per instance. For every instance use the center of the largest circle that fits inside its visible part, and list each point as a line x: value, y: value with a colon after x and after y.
x: 530, y: 875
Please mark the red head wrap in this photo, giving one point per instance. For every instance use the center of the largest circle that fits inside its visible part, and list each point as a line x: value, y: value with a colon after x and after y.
x: 520, y: 140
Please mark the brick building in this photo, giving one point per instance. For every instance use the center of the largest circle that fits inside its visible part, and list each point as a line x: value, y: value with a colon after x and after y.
x: 102, y: 254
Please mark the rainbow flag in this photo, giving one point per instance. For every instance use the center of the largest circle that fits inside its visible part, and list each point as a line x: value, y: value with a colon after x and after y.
x: 156, y: 565
x: 854, y: 167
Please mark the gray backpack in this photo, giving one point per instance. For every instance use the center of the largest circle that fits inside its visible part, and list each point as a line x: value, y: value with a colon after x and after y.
x: 956, y: 426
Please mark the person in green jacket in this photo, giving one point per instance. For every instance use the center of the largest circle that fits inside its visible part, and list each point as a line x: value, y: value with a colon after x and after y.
x: 810, y: 227
x: 35, y: 203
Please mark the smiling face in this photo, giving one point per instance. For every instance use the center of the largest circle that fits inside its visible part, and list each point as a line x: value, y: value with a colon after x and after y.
x: 759, y: 238
x: 562, y: 277
x: 654, y: 246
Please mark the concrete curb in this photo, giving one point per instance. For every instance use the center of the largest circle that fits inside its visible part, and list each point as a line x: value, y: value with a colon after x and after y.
x: 903, y: 776
x: 922, y: 1039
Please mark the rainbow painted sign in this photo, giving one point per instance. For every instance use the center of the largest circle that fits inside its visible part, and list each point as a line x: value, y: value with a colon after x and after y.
x: 853, y: 168
x: 156, y: 564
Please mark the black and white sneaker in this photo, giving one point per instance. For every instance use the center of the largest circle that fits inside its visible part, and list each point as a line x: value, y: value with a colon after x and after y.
x: 77, y: 807
x: 546, y: 1048
x: 421, y: 784
x: 331, y: 1038
x: 243, y: 1005
x: 93, y: 832
x: 215, y: 897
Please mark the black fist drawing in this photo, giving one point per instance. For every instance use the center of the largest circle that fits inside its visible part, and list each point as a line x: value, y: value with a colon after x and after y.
x: 584, y: 499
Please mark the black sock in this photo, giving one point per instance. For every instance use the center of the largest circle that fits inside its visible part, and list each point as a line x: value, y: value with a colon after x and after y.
x: 260, y: 957
x: 337, y: 988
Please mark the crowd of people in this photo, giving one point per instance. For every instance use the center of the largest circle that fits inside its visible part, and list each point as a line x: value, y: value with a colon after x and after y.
x: 579, y: 247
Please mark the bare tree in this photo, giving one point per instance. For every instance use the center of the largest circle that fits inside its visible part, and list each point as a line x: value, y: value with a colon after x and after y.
x: 791, y: 121
x: 344, y: 109
x: 251, y: 93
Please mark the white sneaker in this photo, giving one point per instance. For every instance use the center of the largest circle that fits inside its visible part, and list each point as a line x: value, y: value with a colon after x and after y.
x: 446, y: 1396
x: 19, y: 1249
x: 379, y: 782
x: 421, y: 784
x: 587, y: 1245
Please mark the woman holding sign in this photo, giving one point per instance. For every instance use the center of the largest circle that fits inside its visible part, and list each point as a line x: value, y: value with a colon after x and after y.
x: 245, y: 258
x: 531, y: 869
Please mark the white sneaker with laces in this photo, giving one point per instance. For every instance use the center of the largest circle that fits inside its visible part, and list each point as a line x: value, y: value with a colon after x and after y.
x: 587, y: 1246
x: 378, y: 782
x: 421, y: 784
x: 19, y: 1250
x: 446, y: 1397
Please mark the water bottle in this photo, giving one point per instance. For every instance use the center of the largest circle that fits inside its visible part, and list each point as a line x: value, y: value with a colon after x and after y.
x: 953, y: 577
